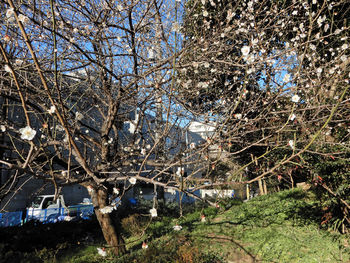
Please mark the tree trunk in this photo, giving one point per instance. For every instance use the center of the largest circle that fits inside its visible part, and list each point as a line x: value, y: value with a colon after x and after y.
x: 109, y: 229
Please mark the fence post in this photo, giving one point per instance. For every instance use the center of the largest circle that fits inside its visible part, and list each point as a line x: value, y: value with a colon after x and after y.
x: 247, y: 191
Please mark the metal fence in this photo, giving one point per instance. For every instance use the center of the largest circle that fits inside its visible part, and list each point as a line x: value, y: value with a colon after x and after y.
x: 50, y: 215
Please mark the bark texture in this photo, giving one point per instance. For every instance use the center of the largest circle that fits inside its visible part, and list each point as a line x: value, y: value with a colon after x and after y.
x: 110, y: 231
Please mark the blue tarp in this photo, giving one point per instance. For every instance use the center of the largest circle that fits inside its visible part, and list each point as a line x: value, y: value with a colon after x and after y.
x: 10, y: 219
x: 53, y: 215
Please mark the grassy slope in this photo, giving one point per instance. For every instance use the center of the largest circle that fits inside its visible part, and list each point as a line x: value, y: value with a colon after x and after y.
x: 280, y: 227
x: 275, y: 228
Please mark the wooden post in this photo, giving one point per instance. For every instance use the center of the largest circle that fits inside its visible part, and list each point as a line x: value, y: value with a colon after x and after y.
x: 248, y: 192
x: 265, y: 187
x: 261, y: 187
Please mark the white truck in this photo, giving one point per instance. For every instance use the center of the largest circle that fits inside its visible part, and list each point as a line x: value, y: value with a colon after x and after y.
x: 46, y: 209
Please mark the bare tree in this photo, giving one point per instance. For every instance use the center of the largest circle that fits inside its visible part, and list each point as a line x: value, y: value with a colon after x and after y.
x: 85, y: 77
x: 274, y: 78
x: 108, y: 92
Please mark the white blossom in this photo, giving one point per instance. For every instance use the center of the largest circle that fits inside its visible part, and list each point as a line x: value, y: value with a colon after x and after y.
x: 205, y: 13
x: 291, y: 144
x: 177, y: 227
x: 132, y: 180
x: 255, y: 41
x: 238, y: 116
x: 326, y: 27
x: 115, y: 190
x: 101, y: 252
x: 292, y: 117
x: 153, y: 212
x: 143, y: 151
x: 8, y: 69
x: 144, y: 245
x: 107, y: 209
x: 3, y: 128
x: 192, y: 145
x: 295, y: 99
x: 245, y: 50
x: 27, y: 133
x: 250, y: 59
x: 151, y: 54
x: 19, y: 62
x: 7, y: 38
x: 180, y: 171
x: 10, y: 12
x: 52, y: 109
x: 24, y: 19
x: 320, y: 20
x: 78, y: 116
x: 344, y: 46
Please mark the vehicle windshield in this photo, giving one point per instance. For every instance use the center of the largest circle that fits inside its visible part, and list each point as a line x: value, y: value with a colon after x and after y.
x: 37, y: 201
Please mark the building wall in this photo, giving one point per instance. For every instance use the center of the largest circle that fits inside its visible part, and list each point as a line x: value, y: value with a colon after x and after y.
x: 28, y: 187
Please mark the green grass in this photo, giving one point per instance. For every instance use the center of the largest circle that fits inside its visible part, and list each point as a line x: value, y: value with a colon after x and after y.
x: 281, y: 227
x: 83, y: 254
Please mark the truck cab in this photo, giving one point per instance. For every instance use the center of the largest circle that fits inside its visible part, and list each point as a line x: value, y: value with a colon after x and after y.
x: 44, y: 207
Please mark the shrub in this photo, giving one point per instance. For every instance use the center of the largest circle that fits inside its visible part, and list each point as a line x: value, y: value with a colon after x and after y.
x: 133, y: 224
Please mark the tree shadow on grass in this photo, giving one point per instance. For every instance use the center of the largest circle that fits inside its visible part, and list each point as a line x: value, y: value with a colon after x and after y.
x: 243, y: 254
